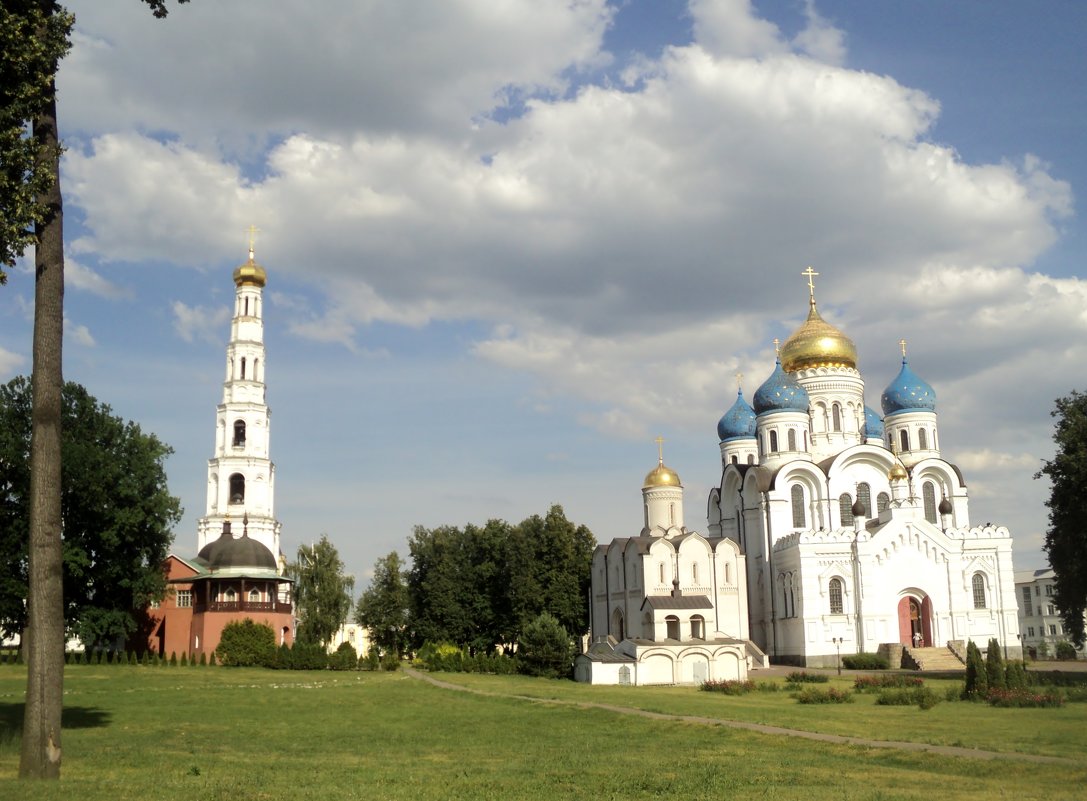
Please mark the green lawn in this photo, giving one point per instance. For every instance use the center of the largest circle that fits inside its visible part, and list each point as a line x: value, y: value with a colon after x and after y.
x: 246, y: 735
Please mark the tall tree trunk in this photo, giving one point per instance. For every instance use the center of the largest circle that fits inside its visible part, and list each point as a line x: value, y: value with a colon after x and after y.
x: 40, y: 756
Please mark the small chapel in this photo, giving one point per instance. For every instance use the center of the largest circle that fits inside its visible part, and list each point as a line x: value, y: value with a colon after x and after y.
x: 855, y: 529
x: 239, y: 568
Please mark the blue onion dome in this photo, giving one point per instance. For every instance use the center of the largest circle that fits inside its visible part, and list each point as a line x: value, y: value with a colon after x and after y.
x: 780, y: 393
x: 908, y: 393
x: 738, y: 422
x: 873, y: 424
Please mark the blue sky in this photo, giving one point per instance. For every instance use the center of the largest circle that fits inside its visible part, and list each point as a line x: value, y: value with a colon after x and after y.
x: 509, y: 245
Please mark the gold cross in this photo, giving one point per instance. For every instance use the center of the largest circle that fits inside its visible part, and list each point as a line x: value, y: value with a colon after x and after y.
x: 660, y: 449
x: 902, y: 344
x: 252, y: 231
x: 810, y: 273
x: 739, y: 381
x: 777, y: 350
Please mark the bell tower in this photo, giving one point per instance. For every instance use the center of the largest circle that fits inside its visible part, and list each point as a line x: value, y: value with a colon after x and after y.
x: 241, y: 476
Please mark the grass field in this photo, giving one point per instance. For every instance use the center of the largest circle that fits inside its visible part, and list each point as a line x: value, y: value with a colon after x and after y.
x: 247, y: 735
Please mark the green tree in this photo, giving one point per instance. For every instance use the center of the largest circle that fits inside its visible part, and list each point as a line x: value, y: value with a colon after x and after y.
x: 977, y: 683
x: 322, y: 591
x: 383, y: 607
x: 1066, y: 538
x: 245, y: 643
x: 116, y: 509
x: 994, y: 666
x: 544, y: 648
x: 34, y: 37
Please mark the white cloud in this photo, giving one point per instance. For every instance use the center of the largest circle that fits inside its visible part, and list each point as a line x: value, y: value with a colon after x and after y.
x: 199, y: 322
x: 820, y: 39
x: 78, y: 334
x: 79, y: 276
x: 10, y: 363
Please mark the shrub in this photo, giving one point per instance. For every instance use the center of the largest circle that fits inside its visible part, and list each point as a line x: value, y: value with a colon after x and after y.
x: 203, y: 659
x: 831, y: 695
x: 977, y: 684
x: 728, y: 687
x: 767, y: 687
x: 994, y: 666
x: 800, y: 677
x: 83, y: 657
x: 1043, y: 650
x: 1023, y: 699
x: 1066, y: 651
x: 245, y: 643
x: 372, y: 660
x: 173, y: 658
x: 544, y: 648
x: 146, y: 660
x: 1076, y: 695
x: 1015, y: 675
x: 344, y: 658
x: 184, y: 659
x: 390, y: 662
x: 865, y: 661
x: 924, y: 697
x: 889, y: 680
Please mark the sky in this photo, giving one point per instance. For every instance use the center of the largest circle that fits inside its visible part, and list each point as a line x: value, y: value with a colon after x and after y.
x: 510, y: 243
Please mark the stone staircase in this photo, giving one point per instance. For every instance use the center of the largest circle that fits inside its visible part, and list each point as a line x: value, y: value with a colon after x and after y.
x: 931, y: 659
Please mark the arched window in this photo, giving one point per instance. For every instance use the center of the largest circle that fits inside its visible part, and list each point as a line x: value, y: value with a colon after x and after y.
x: 698, y: 627
x: 728, y: 573
x: 978, y: 585
x: 928, y: 492
x: 883, y: 500
x: 247, y: 307
x: 751, y: 458
x: 792, y: 440
x: 735, y: 459
x: 773, y: 442
x: 864, y: 495
x: 694, y: 572
x: 239, y: 433
x: 904, y: 439
x: 836, y: 412
x: 784, y: 596
x: 230, y: 596
x: 836, y: 605
x: 922, y: 439
x: 799, y: 518
x: 243, y: 368
x: 256, y: 364
x: 845, y: 507
x: 671, y: 624
x: 660, y: 572
x: 254, y: 596
x: 237, y: 488
x: 618, y: 630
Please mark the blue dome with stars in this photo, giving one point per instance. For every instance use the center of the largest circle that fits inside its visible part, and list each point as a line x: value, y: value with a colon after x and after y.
x: 780, y: 393
x: 738, y: 422
x: 908, y: 393
x: 873, y: 424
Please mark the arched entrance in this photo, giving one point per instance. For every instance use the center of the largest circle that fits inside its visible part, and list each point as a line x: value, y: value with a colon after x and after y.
x: 915, y: 621
x: 618, y: 630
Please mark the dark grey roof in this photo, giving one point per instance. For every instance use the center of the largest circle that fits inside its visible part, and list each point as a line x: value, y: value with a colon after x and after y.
x: 677, y: 602
x: 227, y: 552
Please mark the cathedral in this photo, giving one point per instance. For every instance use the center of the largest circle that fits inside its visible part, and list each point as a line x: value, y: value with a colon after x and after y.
x: 834, y: 530
x: 238, y: 572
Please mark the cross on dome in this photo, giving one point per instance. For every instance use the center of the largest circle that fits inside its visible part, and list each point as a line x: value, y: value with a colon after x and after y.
x: 810, y: 274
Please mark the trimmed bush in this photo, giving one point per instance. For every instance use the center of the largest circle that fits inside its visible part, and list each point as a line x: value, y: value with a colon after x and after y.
x: 994, y: 666
x: 728, y: 687
x: 886, y: 681
x: 203, y: 659
x: 815, y: 695
x: 865, y: 661
x: 1015, y: 676
x: 184, y: 659
x: 800, y: 677
x: 390, y: 662
x: 245, y: 643
x: 1020, y: 699
x: 977, y: 683
x: 923, y: 697
x: 344, y: 658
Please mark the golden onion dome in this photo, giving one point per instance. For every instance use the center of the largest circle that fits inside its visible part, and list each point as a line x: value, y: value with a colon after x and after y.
x: 661, y: 476
x: 897, y: 473
x: 817, y: 344
x: 250, y: 273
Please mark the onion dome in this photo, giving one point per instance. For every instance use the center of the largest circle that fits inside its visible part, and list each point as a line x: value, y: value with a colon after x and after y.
x: 897, y: 473
x: 209, y: 552
x: 817, y: 344
x: 908, y: 393
x: 738, y: 422
x: 859, y: 509
x: 243, y: 552
x: 250, y: 273
x: 780, y: 393
x: 945, y: 507
x: 661, y: 476
x: 873, y: 424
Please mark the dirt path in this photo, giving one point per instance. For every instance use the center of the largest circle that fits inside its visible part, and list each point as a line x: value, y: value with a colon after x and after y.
x: 837, y: 739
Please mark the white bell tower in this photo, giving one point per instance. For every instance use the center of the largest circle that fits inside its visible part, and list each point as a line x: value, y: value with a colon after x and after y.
x: 241, y: 476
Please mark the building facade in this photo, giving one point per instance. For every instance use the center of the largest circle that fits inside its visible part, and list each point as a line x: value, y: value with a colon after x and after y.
x: 238, y: 572
x: 1040, y: 625
x: 855, y: 529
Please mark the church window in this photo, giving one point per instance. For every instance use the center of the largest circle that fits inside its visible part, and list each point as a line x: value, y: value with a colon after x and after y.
x: 618, y: 630
x: 698, y: 627
x: 922, y: 439
x: 845, y: 506
x: 978, y: 585
x: 735, y: 459
x: 1050, y: 609
x: 243, y: 368
x: 672, y: 627
x: 799, y: 518
x: 1049, y: 590
x: 751, y: 458
x: 256, y: 363
x: 184, y: 598
x: 660, y: 571
x: 237, y: 488
x: 928, y: 492
x: 836, y: 412
x: 792, y: 597
x: 230, y: 596
x: 1052, y: 628
x: 239, y: 433
x: 904, y: 439
x: 836, y: 605
x: 784, y: 596
x: 694, y: 572
x: 247, y: 307
x: 728, y: 573
x: 671, y: 514
x: 792, y: 440
x: 773, y: 442
x: 883, y: 500
x: 254, y: 596
x: 1028, y: 603
x: 864, y: 495
x: 1030, y: 631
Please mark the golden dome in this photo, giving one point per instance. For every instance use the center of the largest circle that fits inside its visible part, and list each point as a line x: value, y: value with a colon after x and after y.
x: 250, y: 273
x: 817, y: 344
x: 897, y: 472
x: 661, y: 476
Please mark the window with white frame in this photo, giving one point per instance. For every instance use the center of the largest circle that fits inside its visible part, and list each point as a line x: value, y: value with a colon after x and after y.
x: 837, y: 606
x: 978, y: 585
x: 184, y: 597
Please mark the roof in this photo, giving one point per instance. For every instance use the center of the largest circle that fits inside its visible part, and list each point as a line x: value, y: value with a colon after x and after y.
x: 677, y: 602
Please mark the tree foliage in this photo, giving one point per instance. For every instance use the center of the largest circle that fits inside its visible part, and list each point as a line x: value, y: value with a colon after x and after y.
x: 383, y: 607
x: 977, y: 682
x: 994, y: 666
x: 245, y: 643
x: 544, y: 648
x: 322, y: 591
x: 1066, y: 538
x: 116, y: 509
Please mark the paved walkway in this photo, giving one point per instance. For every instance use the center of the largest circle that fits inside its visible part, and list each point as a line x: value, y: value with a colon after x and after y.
x: 837, y: 739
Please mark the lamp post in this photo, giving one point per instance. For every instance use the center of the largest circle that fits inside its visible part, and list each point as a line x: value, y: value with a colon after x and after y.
x: 838, y: 650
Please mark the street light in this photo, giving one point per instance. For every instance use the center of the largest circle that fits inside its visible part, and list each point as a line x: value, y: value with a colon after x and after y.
x: 838, y: 649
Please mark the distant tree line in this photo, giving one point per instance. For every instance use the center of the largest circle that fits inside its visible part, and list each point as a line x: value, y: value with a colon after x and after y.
x: 481, y: 587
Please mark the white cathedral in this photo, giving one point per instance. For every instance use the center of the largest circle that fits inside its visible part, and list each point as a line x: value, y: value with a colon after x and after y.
x: 832, y: 531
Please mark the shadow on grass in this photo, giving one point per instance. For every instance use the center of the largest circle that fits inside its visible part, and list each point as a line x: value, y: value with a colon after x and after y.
x: 72, y: 717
